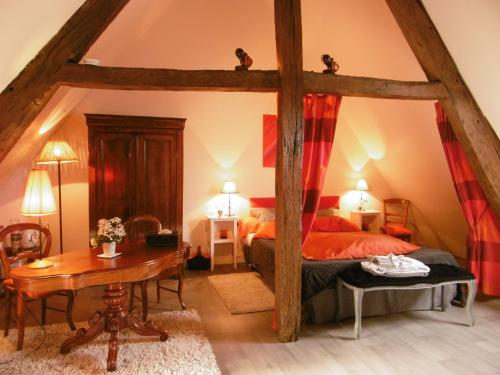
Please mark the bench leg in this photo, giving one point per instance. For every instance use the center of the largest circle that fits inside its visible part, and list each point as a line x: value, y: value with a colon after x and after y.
x: 340, y: 300
x: 471, y: 293
x: 358, y: 311
x: 443, y: 301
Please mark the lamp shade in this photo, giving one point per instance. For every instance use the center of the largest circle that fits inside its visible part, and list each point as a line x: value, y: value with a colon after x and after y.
x: 229, y: 187
x: 38, y: 197
x: 361, y: 185
x: 57, y: 151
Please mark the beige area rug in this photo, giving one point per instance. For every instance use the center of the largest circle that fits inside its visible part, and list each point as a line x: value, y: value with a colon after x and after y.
x: 187, y: 350
x: 243, y: 292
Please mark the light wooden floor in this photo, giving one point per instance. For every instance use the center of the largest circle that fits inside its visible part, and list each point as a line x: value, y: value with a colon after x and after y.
x: 429, y: 342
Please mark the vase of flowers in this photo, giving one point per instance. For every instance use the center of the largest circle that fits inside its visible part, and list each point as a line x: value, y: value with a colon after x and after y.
x: 109, y: 233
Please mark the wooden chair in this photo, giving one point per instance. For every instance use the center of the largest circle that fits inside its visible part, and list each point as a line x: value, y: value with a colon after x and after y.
x: 136, y: 227
x: 8, y: 260
x: 395, y: 217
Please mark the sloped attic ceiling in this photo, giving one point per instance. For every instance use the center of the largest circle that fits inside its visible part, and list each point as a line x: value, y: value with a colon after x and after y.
x: 398, y: 137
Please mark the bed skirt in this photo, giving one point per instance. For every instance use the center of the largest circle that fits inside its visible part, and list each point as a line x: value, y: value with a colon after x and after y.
x: 322, y: 308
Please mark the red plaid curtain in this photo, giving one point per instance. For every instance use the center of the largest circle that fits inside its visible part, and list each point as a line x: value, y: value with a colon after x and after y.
x: 320, y: 119
x: 484, y: 227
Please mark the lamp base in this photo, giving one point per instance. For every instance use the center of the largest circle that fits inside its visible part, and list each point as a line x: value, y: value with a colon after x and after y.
x: 41, y: 263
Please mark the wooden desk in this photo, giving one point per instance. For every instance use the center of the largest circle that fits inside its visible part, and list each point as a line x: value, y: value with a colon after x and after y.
x: 80, y: 269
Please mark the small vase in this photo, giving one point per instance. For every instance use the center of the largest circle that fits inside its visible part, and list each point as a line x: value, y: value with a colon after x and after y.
x: 109, y: 248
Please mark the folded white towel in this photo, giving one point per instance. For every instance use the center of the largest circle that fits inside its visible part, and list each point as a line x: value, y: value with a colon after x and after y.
x: 395, y: 266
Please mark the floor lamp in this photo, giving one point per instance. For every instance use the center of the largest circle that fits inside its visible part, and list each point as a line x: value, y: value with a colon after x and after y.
x: 58, y: 152
x: 38, y: 201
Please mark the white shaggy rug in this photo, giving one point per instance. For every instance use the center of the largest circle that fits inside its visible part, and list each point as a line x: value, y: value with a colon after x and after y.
x: 187, y: 350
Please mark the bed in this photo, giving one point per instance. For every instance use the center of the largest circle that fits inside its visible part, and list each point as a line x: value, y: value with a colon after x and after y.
x: 319, y: 283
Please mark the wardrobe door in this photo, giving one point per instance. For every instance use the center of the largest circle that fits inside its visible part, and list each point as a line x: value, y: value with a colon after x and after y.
x: 112, y: 163
x: 160, y: 177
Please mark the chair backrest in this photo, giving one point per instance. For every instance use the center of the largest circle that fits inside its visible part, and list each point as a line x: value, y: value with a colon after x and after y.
x: 136, y: 227
x: 396, y: 211
x: 45, y: 241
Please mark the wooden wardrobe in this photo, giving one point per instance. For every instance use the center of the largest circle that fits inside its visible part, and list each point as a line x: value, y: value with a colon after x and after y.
x: 135, y: 168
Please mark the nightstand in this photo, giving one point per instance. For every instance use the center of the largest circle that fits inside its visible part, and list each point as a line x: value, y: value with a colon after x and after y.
x: 216, y: 225
x: 367, y: 220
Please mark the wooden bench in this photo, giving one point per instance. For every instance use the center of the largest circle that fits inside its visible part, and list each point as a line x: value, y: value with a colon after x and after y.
x: 360, y: 281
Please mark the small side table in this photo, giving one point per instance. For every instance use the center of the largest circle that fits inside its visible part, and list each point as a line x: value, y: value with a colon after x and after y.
x: 363, y: 219
x: 216, y: 223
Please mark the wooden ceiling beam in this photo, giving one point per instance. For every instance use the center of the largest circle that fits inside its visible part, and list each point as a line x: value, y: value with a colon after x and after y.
x: 115, y: 78
x: 288, y: 172
x: 112, y: 78
x: 23, y: 99
x: 372, y: 87
x: 475, y: 133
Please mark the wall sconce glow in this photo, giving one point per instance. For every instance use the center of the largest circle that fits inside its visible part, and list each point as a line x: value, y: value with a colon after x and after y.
x: 52, y: 121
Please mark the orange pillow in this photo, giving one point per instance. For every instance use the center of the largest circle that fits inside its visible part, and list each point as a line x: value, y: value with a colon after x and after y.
x: 248, y: 224
x: 396, y: 230
x: 333, y: 224
x: 267, y: 229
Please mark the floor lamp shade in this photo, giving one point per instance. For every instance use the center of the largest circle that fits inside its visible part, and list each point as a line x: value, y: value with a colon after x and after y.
x: 38, y: 197
x: 58, y: 152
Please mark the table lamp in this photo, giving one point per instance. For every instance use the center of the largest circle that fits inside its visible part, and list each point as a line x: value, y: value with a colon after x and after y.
x: 229, y: 188
x: 58, y: 152
x: 39, y: 201
x: 361, y: 186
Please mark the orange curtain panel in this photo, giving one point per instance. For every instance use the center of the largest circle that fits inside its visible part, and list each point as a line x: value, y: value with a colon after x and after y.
x: 484, y: 227
x: 320, y: 120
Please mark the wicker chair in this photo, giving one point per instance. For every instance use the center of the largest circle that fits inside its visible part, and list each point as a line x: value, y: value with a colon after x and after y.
x: 9, y: 260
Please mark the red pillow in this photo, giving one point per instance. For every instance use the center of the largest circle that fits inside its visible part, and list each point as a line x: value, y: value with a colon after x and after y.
x: 333, y: 224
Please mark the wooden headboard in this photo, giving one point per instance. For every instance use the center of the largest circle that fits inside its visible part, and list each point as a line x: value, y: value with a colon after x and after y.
x: 325, y: 202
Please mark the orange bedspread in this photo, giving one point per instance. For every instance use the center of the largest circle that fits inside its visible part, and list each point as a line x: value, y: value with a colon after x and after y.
x: 352, y: 245
x: 341, y: 245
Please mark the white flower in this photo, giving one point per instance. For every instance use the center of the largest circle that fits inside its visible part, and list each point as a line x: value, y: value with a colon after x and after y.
x: 111, y: 230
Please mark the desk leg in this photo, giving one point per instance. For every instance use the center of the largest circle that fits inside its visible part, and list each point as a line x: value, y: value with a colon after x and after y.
x: 358, y: 311
x: 83, y: 336
x: 471, y: 293
x: 115, y: 318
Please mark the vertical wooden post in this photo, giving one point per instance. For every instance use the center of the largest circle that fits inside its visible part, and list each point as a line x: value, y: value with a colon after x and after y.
x: 288, y: 182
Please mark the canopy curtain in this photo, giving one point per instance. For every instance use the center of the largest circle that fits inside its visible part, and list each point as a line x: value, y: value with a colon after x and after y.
x: 320, y: 120
x: 483, y: 243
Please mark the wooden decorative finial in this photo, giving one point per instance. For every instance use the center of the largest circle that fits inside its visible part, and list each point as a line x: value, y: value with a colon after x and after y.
x: 331, y: 65
x: 245, y: 60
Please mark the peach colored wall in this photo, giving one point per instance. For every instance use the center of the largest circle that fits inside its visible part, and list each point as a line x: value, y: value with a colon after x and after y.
x: 396, y: 141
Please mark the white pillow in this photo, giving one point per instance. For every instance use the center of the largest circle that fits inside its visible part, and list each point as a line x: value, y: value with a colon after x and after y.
x: 263, y: 214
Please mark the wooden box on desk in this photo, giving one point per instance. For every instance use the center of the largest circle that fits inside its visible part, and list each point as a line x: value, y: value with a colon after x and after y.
x: 162, y: 240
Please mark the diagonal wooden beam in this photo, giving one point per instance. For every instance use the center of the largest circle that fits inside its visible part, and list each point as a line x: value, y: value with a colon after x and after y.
x: 288, y: 255
x: 23, y: 99
x: 471, y: 127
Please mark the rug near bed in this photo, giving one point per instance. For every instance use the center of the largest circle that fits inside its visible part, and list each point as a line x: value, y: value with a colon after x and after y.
x: 243, y: 292
x: 187, y: 350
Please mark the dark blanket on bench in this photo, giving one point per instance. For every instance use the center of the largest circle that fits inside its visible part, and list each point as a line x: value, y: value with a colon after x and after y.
x: 439, y: 273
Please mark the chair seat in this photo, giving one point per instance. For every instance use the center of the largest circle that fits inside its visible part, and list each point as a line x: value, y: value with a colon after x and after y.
x: 396, y: 230
x: 9, y: 285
